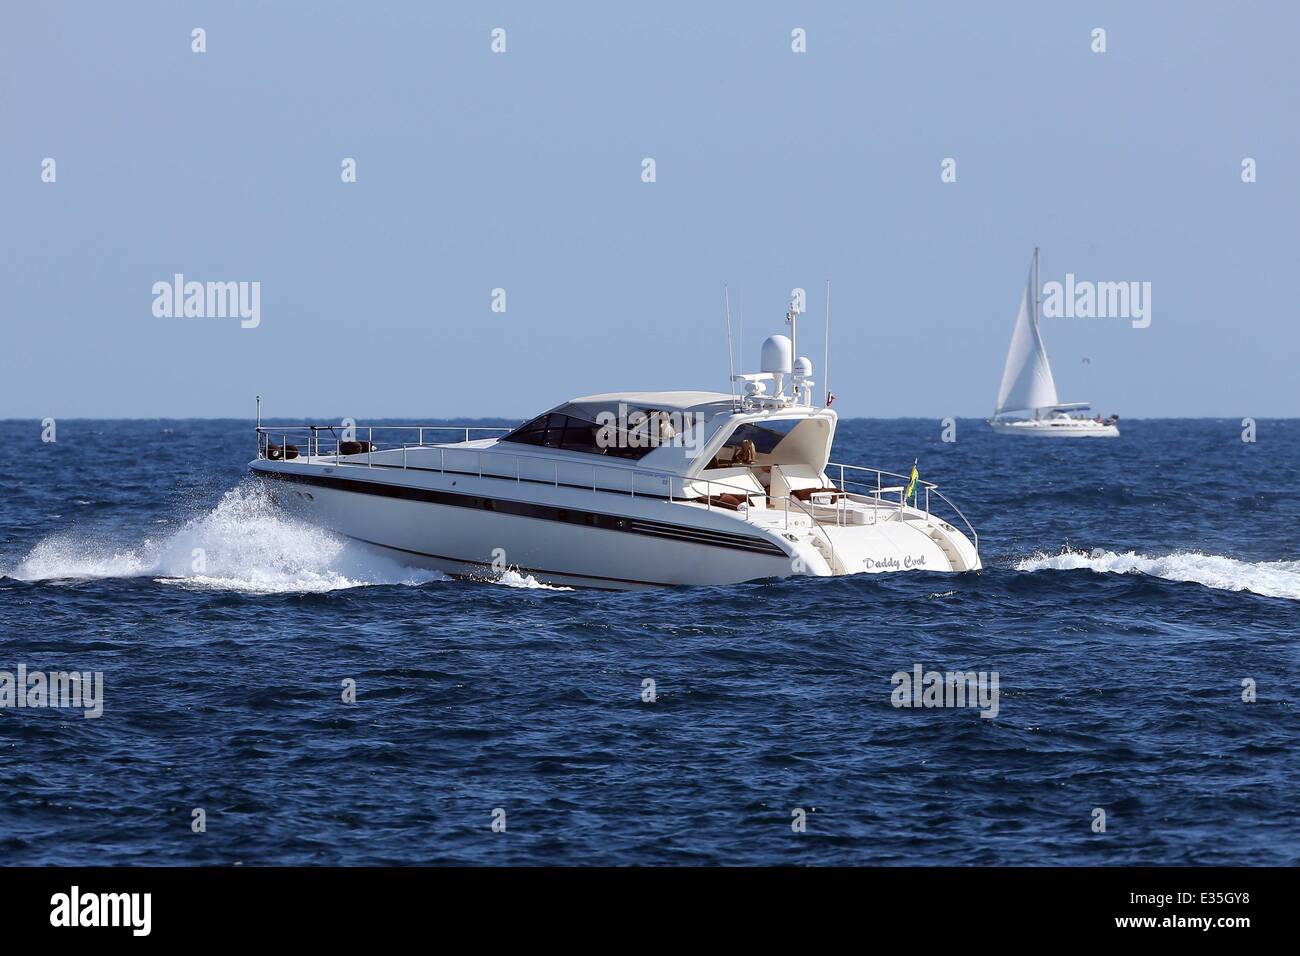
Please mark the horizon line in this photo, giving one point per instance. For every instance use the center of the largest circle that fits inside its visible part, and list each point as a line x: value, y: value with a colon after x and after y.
x: 499, y: 418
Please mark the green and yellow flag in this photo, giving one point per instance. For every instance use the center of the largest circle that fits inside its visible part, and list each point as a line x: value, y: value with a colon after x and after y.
x: 911, y: 485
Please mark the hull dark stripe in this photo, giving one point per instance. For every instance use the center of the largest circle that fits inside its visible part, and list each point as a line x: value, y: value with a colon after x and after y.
x: 483, y: 564
x: 525, y: 509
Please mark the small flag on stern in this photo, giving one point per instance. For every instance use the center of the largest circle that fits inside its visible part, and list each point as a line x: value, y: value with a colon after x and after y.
x: 911, y: 485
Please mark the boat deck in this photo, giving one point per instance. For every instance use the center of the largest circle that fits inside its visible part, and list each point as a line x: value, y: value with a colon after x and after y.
x: 855, y: 495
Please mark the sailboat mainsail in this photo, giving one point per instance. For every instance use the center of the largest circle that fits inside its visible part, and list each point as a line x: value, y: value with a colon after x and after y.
x: 1027, y: 381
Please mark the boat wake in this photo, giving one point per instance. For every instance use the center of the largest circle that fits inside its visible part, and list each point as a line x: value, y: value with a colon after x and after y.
x: 1280, y: 579
x: 244, y: 544
x: 513, y: 579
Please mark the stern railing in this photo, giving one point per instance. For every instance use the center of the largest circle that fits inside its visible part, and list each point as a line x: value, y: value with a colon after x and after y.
x: 881, y: 489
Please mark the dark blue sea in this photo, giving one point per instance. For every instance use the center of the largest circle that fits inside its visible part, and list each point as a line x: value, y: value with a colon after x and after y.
x: 1130, y: 588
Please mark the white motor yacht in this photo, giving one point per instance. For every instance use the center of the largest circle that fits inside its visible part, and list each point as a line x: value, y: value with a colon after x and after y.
x: 624, y: 490
x: 1028, y: 386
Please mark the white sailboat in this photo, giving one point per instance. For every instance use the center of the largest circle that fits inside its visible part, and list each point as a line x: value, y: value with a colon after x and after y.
x: 1028, y: 386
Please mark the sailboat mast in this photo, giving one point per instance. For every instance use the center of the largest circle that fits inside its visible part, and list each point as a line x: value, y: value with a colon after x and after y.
x: 1037, y: 287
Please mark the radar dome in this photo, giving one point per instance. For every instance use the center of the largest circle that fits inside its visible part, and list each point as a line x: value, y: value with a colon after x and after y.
x: 778, y: 354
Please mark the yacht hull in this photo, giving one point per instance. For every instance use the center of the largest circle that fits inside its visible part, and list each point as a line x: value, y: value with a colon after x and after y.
x: 554, y: 536
x: 466, y: 525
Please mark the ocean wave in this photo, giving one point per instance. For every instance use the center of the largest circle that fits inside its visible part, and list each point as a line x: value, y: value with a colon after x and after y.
x: 1280, y: 579
x: 245, y: 544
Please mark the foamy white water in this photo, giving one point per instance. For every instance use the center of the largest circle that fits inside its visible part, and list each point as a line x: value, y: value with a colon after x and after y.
x: 244, y: 544
x: 1279, y: 579
x: 513, y: 579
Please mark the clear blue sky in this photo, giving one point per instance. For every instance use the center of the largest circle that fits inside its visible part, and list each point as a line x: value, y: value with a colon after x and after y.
x: 523, y: 171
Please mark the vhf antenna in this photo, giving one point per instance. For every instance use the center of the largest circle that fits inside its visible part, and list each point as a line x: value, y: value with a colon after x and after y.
x: 731, y: 365
x: 826, y: 344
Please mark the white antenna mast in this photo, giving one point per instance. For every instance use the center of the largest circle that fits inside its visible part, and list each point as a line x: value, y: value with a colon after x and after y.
x: 793, y: 318
x: 740, y: 329
x: 826, y: 344
x: 731, y: 365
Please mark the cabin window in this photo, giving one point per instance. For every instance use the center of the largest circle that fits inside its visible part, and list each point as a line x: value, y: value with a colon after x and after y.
x: 580, y: 436
x: 569, y: 433
x: 529, y: 433
x: 766, y: 436
x: 767, y: 439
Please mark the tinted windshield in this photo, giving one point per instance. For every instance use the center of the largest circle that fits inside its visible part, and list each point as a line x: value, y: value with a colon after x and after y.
x: 634, y: 437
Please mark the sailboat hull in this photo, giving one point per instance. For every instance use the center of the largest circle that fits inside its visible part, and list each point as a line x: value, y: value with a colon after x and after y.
x: 1056, y: 429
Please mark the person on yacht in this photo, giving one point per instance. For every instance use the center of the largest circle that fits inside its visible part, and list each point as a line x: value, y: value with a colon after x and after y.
x: 666, y: 430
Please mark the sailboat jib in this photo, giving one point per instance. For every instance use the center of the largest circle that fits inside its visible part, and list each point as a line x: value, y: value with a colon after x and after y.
x: 1027, y: 381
